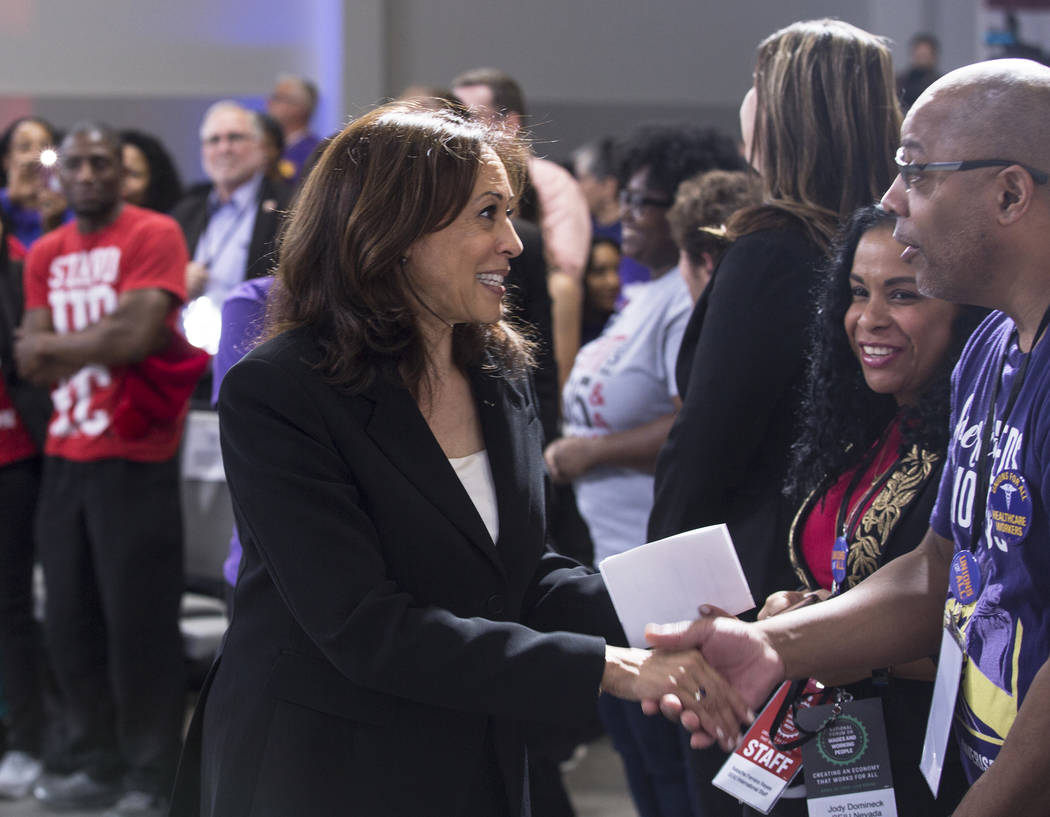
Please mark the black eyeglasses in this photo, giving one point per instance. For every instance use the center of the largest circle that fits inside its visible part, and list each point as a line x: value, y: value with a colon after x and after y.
x: 639, y: 201
x: 911, y: 172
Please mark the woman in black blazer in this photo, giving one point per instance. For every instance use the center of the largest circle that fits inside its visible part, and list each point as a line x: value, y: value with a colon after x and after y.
x: 397, y: 618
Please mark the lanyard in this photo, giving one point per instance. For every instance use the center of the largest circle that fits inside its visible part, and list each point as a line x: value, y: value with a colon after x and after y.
x: 792, y: 702
x: 842, y: 526
x: 988, y: 441
x: 216, y: 247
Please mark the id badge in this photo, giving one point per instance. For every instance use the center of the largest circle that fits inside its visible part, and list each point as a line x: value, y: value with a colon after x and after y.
x: 848, y: 762
x: 942, y: 709
x: 758, y: 772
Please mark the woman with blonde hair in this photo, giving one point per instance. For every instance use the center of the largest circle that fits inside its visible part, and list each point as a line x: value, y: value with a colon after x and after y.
x: 819, y: 126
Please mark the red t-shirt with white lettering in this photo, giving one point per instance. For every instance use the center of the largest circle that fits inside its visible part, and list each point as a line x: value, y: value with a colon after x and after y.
x: 80, y: 278
x: 15, y: 442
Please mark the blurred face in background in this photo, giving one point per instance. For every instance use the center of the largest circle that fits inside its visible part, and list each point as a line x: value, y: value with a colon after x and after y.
x: 646, y: 232
x: 289, y: 106
x: 22, y: 163
x: 230, y: 150
x: 90, y: 169
x: 602, y: 278
x: 136, y: 176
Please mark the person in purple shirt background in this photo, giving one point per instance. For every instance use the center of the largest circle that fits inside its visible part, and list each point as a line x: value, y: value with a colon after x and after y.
x: 594, y: 166
x: 292, y: 103
x: 243, y: 312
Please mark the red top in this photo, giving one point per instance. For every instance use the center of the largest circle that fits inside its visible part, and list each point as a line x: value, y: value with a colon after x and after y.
x: 80, y: 278
x: 15, y: 442
x: 818, y: 533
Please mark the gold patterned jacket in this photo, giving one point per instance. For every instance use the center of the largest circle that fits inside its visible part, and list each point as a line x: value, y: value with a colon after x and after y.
x: 894, y: 523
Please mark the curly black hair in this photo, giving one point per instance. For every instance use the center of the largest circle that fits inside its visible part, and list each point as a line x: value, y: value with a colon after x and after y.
x: 673, y: 153
x: 165, y: 188
x: 841, y: 417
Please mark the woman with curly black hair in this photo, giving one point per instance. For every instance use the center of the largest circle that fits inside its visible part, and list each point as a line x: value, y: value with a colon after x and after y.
x: 150, y: 177
x: 867, y: 463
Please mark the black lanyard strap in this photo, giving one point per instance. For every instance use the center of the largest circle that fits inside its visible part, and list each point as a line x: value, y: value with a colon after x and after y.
x: 791, y: 701
x: 988, y: 442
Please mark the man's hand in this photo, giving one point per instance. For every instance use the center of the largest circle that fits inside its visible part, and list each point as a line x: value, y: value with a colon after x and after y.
x: 740, y: 652
x: 196, y: 279
x: 34, y: 359
x: 569, y: 458
x: 635, y: 674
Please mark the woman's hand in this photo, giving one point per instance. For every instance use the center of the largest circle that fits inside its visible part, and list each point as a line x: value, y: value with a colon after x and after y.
x: 784, y: 600
x: 636, y: 675
x: 569, y: 458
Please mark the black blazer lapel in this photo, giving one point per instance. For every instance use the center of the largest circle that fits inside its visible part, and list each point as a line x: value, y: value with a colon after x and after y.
x: 398, y: 428
x: 513, y: 437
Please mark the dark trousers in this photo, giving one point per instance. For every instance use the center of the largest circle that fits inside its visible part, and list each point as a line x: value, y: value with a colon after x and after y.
x: 110, y: 539
x: 652, y: 758
x: 21, y: 652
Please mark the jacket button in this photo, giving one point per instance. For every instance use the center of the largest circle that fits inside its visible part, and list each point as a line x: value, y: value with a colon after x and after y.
x: 494, y: 605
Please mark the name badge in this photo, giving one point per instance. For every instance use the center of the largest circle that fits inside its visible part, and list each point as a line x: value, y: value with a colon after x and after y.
x: 838, y: 559
x: 942, y: 709
x: 966, y: 577
x: 848, y: 762
x: 1009, y: 507
x: 758, y: 772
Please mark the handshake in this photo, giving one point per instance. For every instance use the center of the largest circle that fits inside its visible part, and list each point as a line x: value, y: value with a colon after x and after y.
x: 709, y: 674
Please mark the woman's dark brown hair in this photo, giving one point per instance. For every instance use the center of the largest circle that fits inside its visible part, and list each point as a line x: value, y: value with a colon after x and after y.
x: 827, y: 124
x: 391, y: 177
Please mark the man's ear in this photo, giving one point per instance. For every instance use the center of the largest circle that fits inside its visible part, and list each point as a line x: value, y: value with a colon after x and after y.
x: 1014, y: 193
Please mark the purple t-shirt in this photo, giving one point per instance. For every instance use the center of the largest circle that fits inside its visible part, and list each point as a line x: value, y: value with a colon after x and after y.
x: 1006, y: 628
x: 299, y: 151
x: 242, y: 319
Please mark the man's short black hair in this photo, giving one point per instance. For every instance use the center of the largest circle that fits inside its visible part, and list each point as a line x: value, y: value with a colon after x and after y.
x: 109, y: 135
x: 675, y: 152
x: 506, y: 93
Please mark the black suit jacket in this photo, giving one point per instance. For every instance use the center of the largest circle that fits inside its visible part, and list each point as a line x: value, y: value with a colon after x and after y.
x: 192, y: 215
x: 740, y: 370
x: 383, y: 652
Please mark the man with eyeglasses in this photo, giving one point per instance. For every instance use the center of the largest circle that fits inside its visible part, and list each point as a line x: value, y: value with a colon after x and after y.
x: 101, y: 298
x: 230, y: 222
x: 973, y: 217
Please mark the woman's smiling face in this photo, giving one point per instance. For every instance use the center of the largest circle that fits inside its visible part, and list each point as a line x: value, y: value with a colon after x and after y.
x: 899, y: 336
x: 457, y: 272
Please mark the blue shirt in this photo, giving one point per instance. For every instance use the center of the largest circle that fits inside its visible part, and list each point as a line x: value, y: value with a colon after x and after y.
x: 223, y: 246
x: 26, y: 225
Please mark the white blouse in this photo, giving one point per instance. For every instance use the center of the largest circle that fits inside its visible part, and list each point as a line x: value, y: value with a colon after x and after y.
x: 475, y: 472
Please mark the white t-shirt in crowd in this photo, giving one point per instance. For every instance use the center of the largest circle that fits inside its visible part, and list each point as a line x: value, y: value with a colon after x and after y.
x: 621, y: 380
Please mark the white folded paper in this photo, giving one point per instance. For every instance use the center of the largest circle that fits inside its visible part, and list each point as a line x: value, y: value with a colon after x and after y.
x: 669, y: 579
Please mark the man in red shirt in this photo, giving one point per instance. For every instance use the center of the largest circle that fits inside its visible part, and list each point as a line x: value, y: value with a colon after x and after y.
x: 101, y: 297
